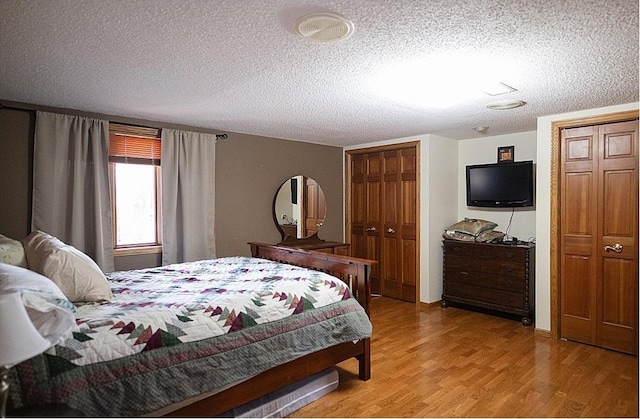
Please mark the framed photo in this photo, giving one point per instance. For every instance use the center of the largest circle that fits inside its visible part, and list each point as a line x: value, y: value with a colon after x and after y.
x: 505, y: 154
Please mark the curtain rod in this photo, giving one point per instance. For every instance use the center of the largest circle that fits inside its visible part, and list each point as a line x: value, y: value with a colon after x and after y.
x: 26, y: 108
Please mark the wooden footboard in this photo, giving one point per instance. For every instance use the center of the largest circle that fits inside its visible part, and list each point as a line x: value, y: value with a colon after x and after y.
x: 353, y: 271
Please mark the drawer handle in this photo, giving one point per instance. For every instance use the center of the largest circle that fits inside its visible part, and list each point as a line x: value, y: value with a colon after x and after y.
x: 456, y: 249
x: 391, y: 231
x: 509, y: 255
x: 371, y: 229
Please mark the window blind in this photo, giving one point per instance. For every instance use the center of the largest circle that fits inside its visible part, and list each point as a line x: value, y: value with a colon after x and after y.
x: 131, y: 149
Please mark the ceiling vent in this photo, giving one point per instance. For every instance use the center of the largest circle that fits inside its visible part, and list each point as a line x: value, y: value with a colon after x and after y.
x: 506, y: 104
x: 324, y: 27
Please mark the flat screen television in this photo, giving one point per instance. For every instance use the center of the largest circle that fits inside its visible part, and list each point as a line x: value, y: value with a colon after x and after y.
x: 500, y: 185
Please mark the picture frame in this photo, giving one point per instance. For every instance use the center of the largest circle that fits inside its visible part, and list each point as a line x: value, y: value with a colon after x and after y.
x: 506, y: 154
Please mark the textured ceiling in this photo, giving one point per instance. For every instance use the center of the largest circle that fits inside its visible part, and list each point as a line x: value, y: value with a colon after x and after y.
x: 238, y: 66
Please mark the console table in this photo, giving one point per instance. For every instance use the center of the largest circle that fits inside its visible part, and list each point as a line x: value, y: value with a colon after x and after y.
x: 493, y: 276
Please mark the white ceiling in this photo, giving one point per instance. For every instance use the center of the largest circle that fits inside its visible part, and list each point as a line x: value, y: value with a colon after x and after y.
x: 238, y: 66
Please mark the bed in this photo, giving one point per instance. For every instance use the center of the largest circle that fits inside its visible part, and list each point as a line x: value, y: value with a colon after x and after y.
x: 168, y: 366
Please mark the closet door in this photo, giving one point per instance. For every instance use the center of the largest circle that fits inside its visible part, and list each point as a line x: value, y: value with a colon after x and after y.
x: 373, y: 221
x: 383, y: 218
x: 399, y: 246
x: 391, y: 239
x: 365, y: 211
x: 599, y: 236
x: 358, y: 209
x: 409, y: 226
x: 617, y: 314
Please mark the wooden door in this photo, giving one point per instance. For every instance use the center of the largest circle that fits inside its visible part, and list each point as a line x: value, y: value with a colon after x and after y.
x: 599, y: 236
x: 315, y: 206
x: 365, y: 212
x: 392, y: 213
x: 383, y: 217
x: 399, y: 246
x: 357, y: 210
x: 618, y: 209
x: 409, y: 226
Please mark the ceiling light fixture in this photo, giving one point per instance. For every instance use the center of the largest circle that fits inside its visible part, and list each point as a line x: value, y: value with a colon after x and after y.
x: 480, y: 129
x: 506, y: 104
x: 324, y: 27
x: 496, y: 88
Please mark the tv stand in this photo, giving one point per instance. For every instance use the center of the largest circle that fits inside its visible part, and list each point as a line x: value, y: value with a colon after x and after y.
x: 493, y: 276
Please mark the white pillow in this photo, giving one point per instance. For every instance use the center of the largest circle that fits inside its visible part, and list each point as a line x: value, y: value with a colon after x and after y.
x: 48, y: 308
x: 12, y: 252
x: 77, y: 275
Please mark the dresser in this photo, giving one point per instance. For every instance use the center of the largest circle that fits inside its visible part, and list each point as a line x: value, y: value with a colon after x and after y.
x: 498, y: 277
x: 337, y: 248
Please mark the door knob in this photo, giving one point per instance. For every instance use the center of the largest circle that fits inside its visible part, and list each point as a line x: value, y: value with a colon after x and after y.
x: 615, y: 248
x: 391, y: 231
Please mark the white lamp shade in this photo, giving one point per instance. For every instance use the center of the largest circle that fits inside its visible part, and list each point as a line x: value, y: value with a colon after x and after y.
x: 19, y: 339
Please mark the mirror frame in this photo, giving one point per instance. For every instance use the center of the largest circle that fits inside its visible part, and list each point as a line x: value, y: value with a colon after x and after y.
x: 288, y: 240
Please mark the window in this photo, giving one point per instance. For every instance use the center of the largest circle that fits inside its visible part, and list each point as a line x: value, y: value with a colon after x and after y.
x: 134, y: 176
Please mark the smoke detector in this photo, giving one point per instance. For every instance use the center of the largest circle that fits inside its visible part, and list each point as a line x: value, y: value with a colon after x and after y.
x: 324, y: 27
x: 506, y: 104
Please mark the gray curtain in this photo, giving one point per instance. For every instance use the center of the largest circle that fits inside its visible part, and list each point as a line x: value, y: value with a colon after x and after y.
x: 71, y: 198
x: 188, y: 196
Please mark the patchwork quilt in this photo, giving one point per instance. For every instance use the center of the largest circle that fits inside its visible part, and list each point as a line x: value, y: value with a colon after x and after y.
x: 176, y: 331
x: 192, y: 301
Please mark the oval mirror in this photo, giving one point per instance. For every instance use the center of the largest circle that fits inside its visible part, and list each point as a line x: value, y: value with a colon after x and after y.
x: 299, y: 208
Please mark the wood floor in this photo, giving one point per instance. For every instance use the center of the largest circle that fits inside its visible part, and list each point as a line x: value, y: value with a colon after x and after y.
x: 460, y: 363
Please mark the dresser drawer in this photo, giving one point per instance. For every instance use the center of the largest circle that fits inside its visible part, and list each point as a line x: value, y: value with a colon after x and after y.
x: 482, y: 296
x: 507, y: 267
x: 484, y: 279
x: 486, y: 251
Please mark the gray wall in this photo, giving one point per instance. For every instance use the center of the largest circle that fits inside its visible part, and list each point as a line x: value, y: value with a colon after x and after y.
x: 249, y: 171
x: 16, y: 155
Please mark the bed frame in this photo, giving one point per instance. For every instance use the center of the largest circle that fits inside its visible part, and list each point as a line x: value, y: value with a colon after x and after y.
x: 353, y: 271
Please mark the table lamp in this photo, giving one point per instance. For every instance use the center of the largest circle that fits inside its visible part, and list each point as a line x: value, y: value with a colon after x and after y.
x: 19, y: 340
